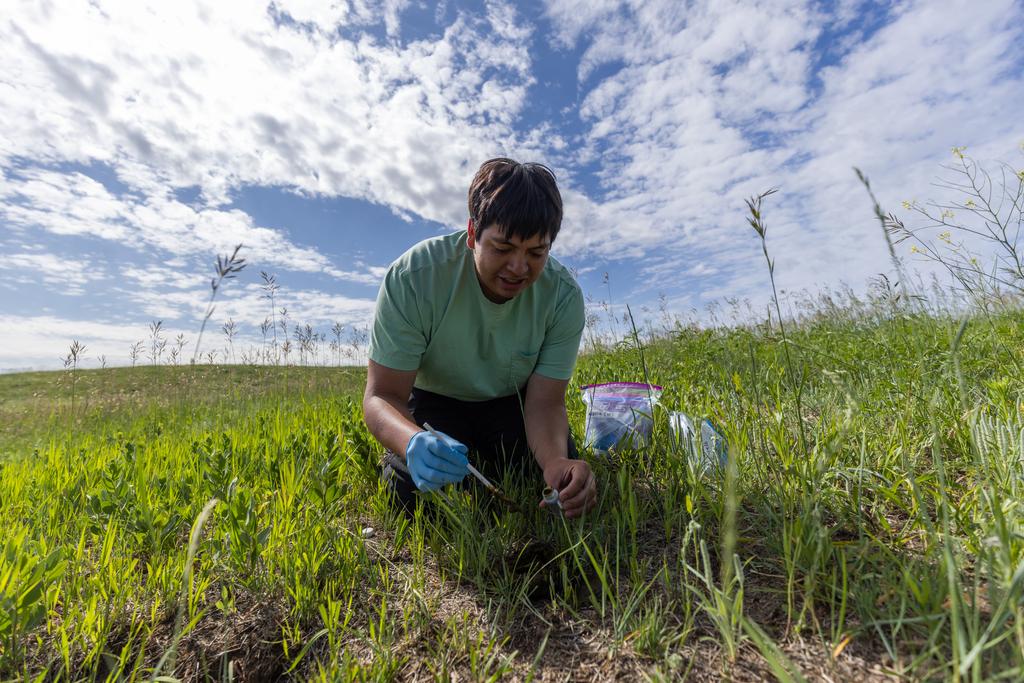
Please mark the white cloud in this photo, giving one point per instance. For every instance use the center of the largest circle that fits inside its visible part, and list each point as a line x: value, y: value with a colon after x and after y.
x: 392, y: 12
x: 248, y: 305
x: 325, y: 15
x: 154, y: 276
x: 265, y: 102
x: 40, y: 342
x: 68, y: 276
x: 63, y: 203
x: 313, y: 307
x: 711, y: 103
x: 75, y: 204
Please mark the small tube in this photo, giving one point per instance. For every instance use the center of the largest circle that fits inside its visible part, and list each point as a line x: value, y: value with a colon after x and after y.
x: 550, y: 498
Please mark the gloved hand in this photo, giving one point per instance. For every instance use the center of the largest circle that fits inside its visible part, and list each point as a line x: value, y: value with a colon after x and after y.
x: 434, y: 462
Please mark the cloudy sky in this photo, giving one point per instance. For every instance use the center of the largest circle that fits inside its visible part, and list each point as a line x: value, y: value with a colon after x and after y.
x: 142, y: 139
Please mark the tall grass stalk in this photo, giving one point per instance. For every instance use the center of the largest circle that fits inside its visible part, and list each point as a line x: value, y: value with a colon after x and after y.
x: 270, y: 288
x: 756, y: 221
x: 169, y: 658
x: 226, y: 268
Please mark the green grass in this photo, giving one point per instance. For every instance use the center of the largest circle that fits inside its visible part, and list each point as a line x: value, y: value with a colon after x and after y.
x: 892, y: 546
x: 36, y: 407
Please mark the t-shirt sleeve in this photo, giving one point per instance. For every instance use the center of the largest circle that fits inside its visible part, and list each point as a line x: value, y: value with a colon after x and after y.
x: 557, y: 357
x: 398, y: 338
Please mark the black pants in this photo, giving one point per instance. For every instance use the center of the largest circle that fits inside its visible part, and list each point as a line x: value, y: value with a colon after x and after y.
x: 493, y: 431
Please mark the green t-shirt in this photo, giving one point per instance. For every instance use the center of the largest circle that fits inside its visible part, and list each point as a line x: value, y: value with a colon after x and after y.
x: 433, y: 317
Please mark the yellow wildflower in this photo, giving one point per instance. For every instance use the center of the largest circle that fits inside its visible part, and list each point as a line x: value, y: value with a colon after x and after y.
x: 958, y: 152
x: 945, y: 236
x: 914, y: 249
x: 947, y: 214
x: 907, y: 205
x: 970, y: 202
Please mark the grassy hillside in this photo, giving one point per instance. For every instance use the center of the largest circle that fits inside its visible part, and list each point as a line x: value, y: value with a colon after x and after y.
x: 37, y: 407
x: 215, y: 522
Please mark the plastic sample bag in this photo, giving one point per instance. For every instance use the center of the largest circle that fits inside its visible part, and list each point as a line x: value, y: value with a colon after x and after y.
x: 710, y: 451
x: 619, y: 414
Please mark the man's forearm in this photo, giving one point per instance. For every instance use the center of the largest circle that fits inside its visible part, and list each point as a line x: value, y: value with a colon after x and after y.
x: 547, y: 431
x: 390, y: 421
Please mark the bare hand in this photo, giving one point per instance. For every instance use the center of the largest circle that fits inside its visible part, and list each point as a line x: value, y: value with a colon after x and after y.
x: 576, y: 485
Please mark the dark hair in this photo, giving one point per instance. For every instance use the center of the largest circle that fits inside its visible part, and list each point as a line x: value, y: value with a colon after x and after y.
x: 521, y: 199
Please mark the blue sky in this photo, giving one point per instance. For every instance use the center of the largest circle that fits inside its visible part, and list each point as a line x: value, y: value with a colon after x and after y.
x: 142, y: 139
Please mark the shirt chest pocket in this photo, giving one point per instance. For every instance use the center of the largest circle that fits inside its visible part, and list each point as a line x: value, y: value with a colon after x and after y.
x: 521, y: 368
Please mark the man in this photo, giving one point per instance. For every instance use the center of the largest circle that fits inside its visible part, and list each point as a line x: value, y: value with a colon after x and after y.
x: 476, y: 333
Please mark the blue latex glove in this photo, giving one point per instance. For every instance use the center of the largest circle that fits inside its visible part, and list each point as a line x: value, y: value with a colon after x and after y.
x: 434, y: 462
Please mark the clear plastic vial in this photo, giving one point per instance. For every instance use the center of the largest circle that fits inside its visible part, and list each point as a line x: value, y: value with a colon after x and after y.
x: 550, y: 498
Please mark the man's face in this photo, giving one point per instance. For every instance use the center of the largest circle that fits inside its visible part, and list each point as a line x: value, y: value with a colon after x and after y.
x: 505, y: 264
